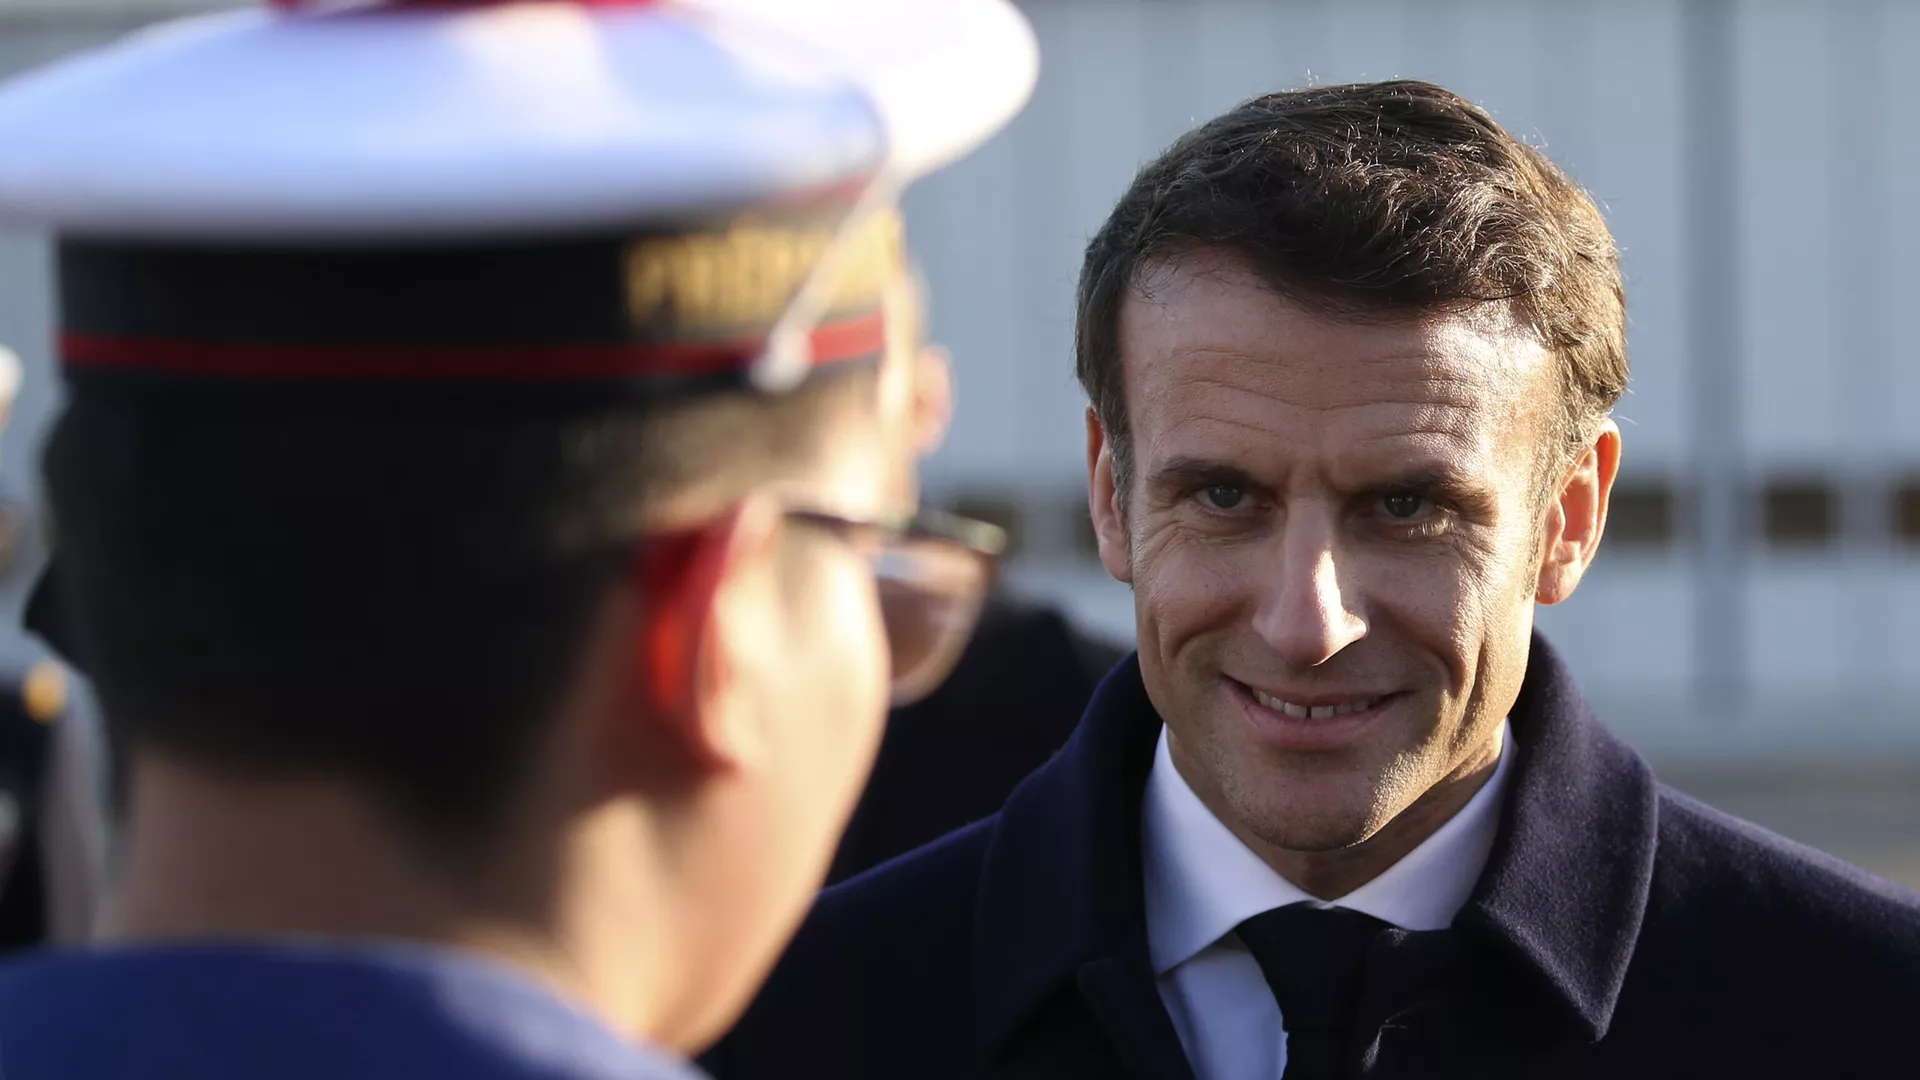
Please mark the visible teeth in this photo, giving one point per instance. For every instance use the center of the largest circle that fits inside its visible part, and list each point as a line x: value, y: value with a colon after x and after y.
x: 1312, y: 712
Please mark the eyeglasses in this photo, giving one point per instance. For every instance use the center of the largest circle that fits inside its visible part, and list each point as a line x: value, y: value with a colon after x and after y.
x: 932, y: 571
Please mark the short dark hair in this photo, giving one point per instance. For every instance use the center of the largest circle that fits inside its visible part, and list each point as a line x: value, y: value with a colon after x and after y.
x: 1368, y: 199
x: 390, y: 591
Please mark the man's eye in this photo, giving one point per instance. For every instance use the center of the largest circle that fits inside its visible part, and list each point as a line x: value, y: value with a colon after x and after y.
x: 1224, y: 497
x: 1405, y: 507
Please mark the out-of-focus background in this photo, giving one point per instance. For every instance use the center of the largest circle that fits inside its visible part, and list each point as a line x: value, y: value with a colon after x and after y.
x: 1754, y: 622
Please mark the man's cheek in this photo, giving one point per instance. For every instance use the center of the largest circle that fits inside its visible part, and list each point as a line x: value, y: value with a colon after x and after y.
x: 1185, y: 589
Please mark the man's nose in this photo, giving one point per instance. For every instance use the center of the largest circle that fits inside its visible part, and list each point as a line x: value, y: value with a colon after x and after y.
x: 1306, y: 613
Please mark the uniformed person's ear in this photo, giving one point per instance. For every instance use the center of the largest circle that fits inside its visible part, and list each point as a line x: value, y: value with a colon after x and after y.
x: 706, y: 597
x: 1576, y: 517
x: 932, y: 398
x: 1104, y: 503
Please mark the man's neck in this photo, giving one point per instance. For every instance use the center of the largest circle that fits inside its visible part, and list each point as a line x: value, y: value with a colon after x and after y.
x: 215, y: 858
x: 209, y: 856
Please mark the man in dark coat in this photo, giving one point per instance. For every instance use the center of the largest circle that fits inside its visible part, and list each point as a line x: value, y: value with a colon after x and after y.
x: 953, y: 758
x: 1352, y: 354
x: 1619, y: 929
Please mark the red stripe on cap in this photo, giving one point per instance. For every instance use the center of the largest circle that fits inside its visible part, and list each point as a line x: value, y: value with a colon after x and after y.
x: 833, y: 343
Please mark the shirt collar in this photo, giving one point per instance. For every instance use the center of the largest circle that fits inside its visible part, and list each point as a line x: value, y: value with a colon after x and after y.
x: 1202, y: 881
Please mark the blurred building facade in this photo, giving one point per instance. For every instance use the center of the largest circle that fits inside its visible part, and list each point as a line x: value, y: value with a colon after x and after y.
x: 1759, y: 594
x: 1760, y: 588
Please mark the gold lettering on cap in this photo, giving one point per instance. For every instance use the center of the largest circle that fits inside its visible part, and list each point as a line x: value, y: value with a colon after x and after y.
x: 741, y: 278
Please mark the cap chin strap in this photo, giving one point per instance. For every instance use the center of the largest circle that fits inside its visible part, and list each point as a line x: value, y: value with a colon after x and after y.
x: 788, y: 355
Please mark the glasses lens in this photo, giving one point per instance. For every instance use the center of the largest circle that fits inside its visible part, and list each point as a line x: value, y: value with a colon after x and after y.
x: 930, y: 595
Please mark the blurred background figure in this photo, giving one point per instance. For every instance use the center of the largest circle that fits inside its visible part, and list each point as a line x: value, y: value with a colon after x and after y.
x: 50, y: 813
x: 30, y: 844
x: 1753, y: 625
x: 954, y: 757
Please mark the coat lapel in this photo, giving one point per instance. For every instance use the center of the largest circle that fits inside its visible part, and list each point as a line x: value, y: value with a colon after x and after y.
x: 1549, y: 931
x: 1062, y: 932
x: 1533, y: 966
x: 1566, y: 885
x: 1126, y: 1003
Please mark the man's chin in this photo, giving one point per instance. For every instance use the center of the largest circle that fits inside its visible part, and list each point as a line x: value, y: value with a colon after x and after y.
x: 1316, y: 813
x: 1315, y: 838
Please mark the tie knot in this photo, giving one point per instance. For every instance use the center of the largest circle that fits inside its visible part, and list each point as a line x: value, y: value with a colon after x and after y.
x: 1315, y: 959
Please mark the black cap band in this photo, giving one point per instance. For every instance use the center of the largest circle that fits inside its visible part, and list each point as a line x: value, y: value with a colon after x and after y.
x: 676, y: 305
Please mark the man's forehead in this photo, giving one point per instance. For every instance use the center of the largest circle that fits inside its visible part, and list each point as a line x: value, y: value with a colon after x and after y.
x: 1211, y: 301
x: 1212, y: 335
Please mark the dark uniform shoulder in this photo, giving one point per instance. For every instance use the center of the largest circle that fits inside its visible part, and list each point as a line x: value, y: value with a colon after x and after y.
x: 1019, y: 625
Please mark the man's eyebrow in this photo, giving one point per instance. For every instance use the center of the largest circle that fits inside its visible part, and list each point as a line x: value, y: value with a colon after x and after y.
x: 1193, y: 472
x: 1429, y: 478
x: 1467, y: 490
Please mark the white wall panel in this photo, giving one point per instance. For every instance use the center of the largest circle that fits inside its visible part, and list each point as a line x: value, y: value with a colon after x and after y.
x: 1250, y: 48
x: 1900, y: 592
x: 1168, y: 58
x: 1797, y: 632
x: 1791, y: 400
x: 1374, y: 39
x: 1629, y: 628
x: 965, y: 232
x: 1901, y: 151
x: 1633, y: 167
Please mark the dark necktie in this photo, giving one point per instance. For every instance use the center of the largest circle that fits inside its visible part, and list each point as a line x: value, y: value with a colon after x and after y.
x: 1315, y: 959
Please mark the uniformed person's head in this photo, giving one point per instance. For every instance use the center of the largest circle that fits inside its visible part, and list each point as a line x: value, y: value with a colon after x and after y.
x: 503, y: 413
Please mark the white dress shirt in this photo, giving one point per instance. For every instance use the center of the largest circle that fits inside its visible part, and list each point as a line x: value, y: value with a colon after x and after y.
x: 1201, y: 882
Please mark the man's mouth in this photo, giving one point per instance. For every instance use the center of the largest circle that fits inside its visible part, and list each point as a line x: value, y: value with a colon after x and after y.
x: 1304, y: 711
x: 1297, y: 719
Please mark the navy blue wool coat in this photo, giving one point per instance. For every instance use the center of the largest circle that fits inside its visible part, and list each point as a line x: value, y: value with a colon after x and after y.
x: 1620, y: 929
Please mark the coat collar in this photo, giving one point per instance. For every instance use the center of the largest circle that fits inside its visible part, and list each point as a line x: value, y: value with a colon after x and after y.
x: 1561, y: 898
x: 1566, y: 886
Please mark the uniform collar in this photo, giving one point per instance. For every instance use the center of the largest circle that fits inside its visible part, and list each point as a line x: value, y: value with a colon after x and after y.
x: 1561, y: 897
x: 1202, y: 881
x: 361, y: 998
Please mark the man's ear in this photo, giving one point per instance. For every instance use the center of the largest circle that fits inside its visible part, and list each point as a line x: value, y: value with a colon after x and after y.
x: 1104, y: 503
x: 1577, y: 516
x: 701, y: 609
x: 932, y: 399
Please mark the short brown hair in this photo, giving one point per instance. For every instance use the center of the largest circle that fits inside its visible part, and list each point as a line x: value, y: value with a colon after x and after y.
x: 385, y: 587
x: 1364, y: 199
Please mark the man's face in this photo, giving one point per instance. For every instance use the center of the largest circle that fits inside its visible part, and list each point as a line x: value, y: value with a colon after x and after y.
x: 809, y: 669
x: 827, y: 687
x: 1333, y: 532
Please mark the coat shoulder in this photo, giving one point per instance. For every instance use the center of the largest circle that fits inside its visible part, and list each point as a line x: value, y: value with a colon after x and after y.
x: 879, y: 968
x: 931, y: 885
x: 1715, y: 869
